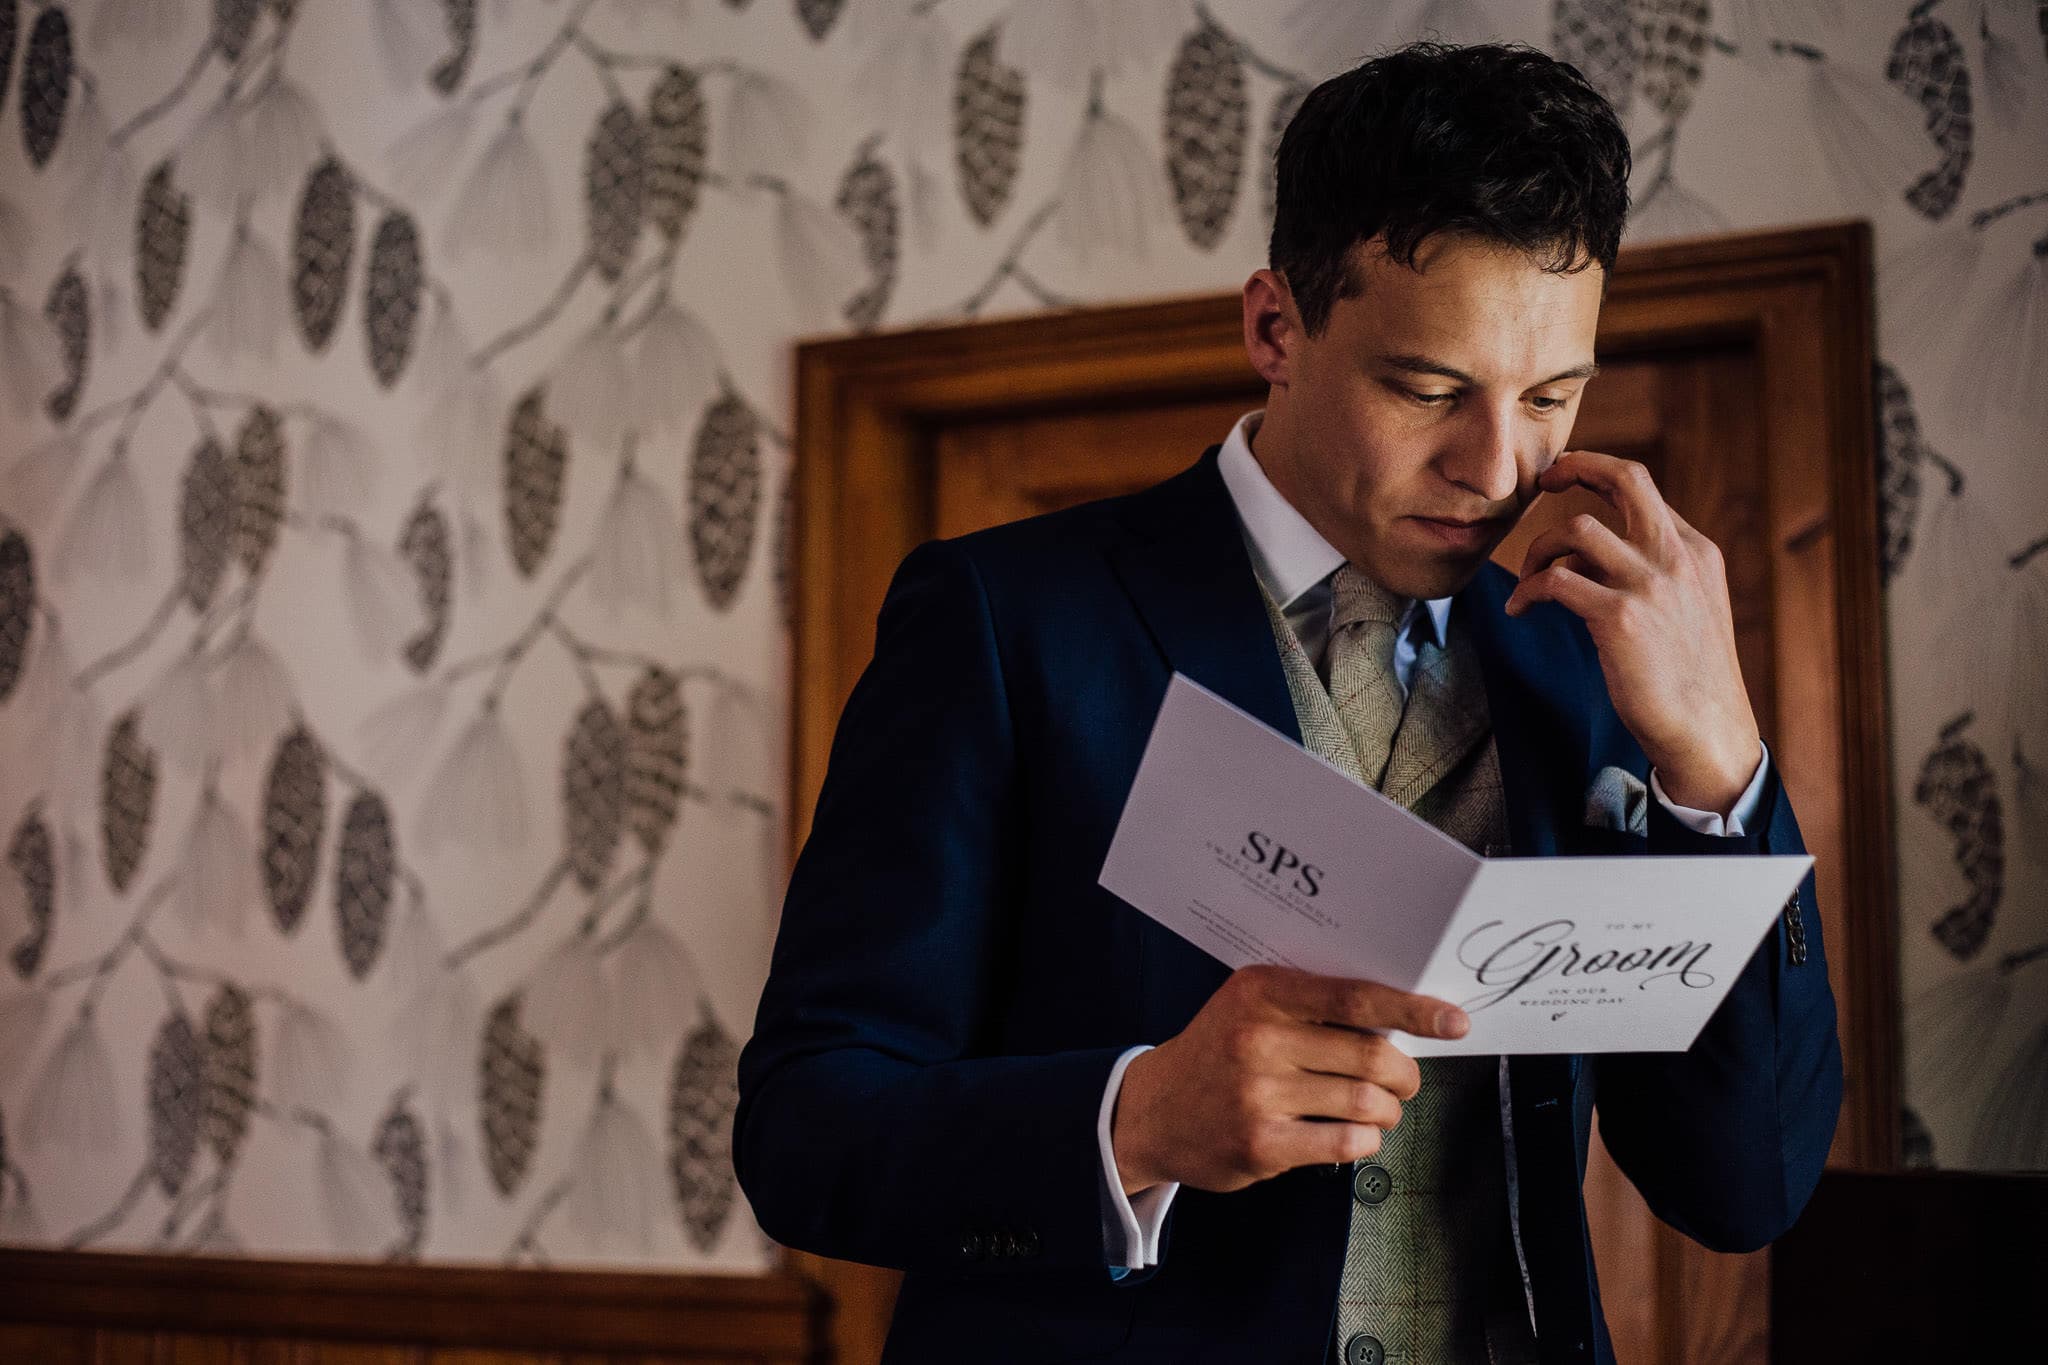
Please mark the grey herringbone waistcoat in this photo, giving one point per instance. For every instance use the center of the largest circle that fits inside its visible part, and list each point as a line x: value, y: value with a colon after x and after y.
x: 1429, y: 1269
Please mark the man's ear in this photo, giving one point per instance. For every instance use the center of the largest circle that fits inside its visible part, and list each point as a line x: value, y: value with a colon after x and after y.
x: 1272, y: 325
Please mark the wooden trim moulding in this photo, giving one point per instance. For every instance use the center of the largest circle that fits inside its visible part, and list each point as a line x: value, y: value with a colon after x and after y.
x: 743, y: 1317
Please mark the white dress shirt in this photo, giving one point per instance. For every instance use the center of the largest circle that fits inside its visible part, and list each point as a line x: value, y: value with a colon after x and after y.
x: 1296, y: 564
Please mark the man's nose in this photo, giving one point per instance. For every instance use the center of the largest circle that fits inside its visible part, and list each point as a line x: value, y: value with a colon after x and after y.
x: 1483, y: 457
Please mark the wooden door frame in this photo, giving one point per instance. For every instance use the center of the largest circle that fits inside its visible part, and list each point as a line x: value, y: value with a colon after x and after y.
x: 867, y: 408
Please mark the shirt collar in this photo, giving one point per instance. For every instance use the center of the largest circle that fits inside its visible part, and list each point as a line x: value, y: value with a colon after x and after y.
x: 1289, y: 555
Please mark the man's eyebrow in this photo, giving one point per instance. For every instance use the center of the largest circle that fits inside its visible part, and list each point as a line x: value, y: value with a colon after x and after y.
x: 1422, y: 364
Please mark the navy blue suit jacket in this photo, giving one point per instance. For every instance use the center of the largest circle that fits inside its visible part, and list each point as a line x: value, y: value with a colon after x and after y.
x: 950, y: 986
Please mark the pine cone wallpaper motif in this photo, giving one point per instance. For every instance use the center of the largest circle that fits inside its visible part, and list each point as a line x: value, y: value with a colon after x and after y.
x: 536, y: 463
x: 867, y: 196
x: 593, y: 792
x: 365, y: 867
x: 230, y: 1072
x: 69, y: 314
x: 127, y: 799
x: 323, y: 248
x: 259, y: 505
x: 785, y: 552
x: 1206, y: 119
x: 294, y: 821
x: 818, y: 16
x: 46, y: 75
x: 1899, y: 457
x: 176, y: 1099
x: 657, y: 757
x: 1599, y: 38
x: 725, y: 497
x: 1927, y: 63
x: 512, y: 1079
x: 233, y: 21
x: 393, y: 282
x: 10, y: 35
x: 1671, y: 43
x: 678, y: 130
x: 17, y: 606
x: 424, y: 545
x: 32, y: 857
x: 163, y: 229
x: 703, y: 1094
x: 614, y: 189
x: 1957, y: 788
x: 988, y: 128
x: 448, y: 73
x: 206, y: 522
x: 401, y: 1148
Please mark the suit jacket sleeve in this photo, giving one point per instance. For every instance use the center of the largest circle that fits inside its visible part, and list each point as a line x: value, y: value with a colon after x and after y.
x: 871, y: 1126
x: 1726, y: 1140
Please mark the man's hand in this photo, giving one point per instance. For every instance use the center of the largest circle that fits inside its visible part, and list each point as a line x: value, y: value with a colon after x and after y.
x: 1235, y: 1097
x: 1656, y: 602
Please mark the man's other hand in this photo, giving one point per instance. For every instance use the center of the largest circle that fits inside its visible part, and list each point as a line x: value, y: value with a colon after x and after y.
x: 1275, y: 1071
x: 1655, y: 599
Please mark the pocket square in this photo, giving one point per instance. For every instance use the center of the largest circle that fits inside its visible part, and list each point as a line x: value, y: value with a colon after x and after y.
x: 1618, y: 800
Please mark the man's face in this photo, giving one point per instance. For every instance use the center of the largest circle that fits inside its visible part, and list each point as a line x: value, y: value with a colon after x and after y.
x: 1434, y: 397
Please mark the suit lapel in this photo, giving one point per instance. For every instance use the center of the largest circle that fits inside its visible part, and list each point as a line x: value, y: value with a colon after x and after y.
x: 1184, y: 564
x: 1187, y: 571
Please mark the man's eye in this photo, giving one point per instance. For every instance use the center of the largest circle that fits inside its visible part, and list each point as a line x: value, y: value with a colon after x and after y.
x: 1431, y: 400
x: 1544, y: 404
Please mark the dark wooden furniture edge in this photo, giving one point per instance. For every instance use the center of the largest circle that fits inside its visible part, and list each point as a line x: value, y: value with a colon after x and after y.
x: 1920, y: 1264
x: 746, y: 1317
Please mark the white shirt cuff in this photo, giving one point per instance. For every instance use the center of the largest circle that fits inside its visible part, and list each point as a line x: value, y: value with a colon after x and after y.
x: 1130, y: 1225
x: 1706, y: 821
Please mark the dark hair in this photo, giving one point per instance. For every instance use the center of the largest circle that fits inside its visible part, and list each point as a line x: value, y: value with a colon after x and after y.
x: 1500, y: 141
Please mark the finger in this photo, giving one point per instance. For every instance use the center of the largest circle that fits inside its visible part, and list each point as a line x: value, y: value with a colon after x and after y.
x: 1313, y: 1095
x: 1575, y: 592
x: 1354, y: 1055
x: 1626, y: 485
x: 1585, y: 535
x: 1367, y: 1005
x: 1312, y: 1142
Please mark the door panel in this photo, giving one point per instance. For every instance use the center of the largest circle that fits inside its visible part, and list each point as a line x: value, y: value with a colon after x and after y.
x: 990, y: 472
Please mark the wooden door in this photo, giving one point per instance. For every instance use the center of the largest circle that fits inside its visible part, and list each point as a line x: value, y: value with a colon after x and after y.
x: 1687, y: 412
x: 1738, y: 369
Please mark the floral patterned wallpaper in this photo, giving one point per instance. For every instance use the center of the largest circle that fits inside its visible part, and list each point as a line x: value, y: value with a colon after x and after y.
x: 394, y: 527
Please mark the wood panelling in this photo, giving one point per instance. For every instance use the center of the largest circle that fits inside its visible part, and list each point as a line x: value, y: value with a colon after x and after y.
x: 88, y: 1309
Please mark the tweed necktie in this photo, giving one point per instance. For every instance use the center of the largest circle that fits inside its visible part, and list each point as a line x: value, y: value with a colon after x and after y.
x: 1364, y: 619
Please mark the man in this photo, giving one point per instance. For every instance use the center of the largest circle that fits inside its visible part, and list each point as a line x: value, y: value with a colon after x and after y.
x: 950, y: 1071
